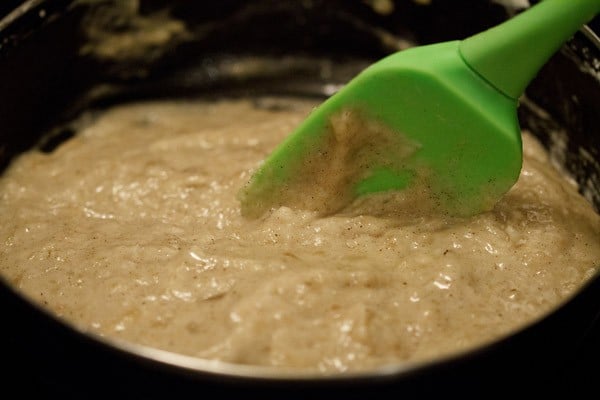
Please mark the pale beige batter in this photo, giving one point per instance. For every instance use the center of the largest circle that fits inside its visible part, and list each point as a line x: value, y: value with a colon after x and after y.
x: 133, y: 230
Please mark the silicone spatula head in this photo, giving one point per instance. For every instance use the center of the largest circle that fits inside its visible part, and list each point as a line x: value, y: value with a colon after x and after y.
x: 441, y: 118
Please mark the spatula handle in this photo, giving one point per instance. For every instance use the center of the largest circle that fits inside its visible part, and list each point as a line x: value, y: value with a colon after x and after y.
x: 510, y: 55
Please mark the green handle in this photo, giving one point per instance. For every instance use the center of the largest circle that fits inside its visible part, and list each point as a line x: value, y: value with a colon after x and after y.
x: 509, y: 55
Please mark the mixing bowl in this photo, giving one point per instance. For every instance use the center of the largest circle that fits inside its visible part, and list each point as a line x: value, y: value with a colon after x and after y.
x: 58, y: 58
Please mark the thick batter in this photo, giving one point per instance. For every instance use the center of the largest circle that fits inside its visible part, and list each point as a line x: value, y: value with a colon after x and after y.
x: 132, y: 229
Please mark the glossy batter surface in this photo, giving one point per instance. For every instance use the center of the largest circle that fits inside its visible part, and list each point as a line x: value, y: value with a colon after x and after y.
x: 132, y: 229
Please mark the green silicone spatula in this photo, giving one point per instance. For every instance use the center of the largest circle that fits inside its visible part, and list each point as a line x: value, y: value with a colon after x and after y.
x: 452, y: 107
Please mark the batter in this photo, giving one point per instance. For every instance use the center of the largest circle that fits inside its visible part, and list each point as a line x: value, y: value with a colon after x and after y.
x: 132, y: 230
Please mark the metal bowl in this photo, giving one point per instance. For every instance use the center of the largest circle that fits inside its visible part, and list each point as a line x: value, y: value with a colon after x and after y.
x: 54, y: 63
